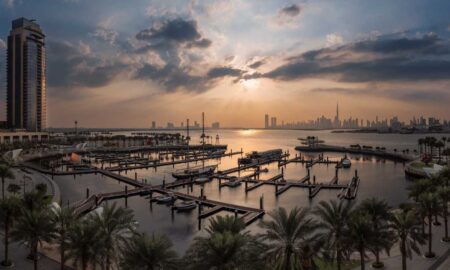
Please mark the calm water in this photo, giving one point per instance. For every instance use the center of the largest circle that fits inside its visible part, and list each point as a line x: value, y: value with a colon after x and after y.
x: 379, y: 178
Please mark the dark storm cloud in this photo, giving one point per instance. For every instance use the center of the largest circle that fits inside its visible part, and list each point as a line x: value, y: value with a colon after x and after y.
x: 69, y: 67
x: 173, y: 78
x: 173, y: 41
x: 291, y: 11
x: 257, y: 64
x: 218, y: 72
x: 176, y: 32
x: 400, y: 59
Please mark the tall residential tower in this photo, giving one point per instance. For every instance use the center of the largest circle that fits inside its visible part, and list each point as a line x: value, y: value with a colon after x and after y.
x: 26, y: 76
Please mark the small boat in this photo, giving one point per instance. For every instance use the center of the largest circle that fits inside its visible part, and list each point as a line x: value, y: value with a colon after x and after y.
x: 194, y: 172
x: 202, y: 180
x: 167, y: 198
x: 185, y: 206
x: 233, y: 182
x: 346, y: 163
x: 217, y: 153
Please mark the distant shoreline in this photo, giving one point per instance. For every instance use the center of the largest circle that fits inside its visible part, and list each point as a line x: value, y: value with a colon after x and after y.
x: 369, y: 131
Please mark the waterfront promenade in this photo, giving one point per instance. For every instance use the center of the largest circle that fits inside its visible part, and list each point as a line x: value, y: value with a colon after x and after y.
x: 440, y: 262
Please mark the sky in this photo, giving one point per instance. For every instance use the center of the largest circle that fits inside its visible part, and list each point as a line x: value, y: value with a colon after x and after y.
x: 115, y: 63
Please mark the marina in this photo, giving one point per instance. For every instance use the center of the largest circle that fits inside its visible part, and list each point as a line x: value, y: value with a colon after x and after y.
x: 291, y: 178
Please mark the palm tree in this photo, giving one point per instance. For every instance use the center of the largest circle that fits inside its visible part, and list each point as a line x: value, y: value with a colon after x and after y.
x: 148, y: 252
x: 115, y: 225
x: 221, y: 224
x: 9, y: 212
x: 360, y: 234
x: 439, y: 145
x: 406, y: 229
x: 63, y: 219
x: 378, y: 211
x: 36, y: 200
x: 224, y: 248
x: 5, y: 172
x: 288, y: 235
x: 428, y: 203
x: 84, y: 244
x: 333, y: 223
x: 443, y: 194
x: 34, y: 227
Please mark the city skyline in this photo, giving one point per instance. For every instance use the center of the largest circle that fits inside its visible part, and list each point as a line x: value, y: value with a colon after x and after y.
x: 168, y: 61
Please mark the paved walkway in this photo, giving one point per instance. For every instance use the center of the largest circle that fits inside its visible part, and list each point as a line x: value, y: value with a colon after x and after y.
x: 440, y: 262
x: 18, y: 254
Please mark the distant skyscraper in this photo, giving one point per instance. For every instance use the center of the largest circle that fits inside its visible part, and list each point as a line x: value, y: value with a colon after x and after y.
x: 26, y: 78
x: 337, y: 121
x: 273, y: 122
x: 153, y: 125
x: 266, y: 121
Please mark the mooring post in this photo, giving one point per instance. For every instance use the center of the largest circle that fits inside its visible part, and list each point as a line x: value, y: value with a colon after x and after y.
x: 201, y: 193
x: 235, y: 213
x: 276, y: 187
x: 220, y: 182
x: 282, y: 173
x: 135, y: 176
x: 246, y: 186
x: 308, y: 173
x: 164, y: 183
x: 356, y: 173
x: 87, y: 193
x: 261, y: 202
x: 199, y: 209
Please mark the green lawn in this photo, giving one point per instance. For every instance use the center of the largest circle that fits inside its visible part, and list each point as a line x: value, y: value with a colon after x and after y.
x: 420, y: 165
x: 332, y: 266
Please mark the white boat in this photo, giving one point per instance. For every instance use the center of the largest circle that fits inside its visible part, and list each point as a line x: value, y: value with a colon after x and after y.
x: 194, y: 172
x: 185, y: 206
x: 346, y: 163
x: 167, y: 198
x: 233, y: 182
x: 217, y: 153
x: 202, y: 180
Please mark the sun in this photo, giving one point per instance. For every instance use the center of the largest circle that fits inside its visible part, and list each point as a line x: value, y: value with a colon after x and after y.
x: 250, y: 84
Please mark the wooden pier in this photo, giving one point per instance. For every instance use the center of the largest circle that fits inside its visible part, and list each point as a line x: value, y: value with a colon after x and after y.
x: 249, y: 214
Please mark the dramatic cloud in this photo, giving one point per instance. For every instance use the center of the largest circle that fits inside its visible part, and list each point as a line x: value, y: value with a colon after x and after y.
x: 177, y: 31
x: 394, y: 59
x: 72, y: 66
x: 223, y: 72
x: 173, y: 78
x: 173, y: 41
x: 291, y: 11
x: 257, y: 64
